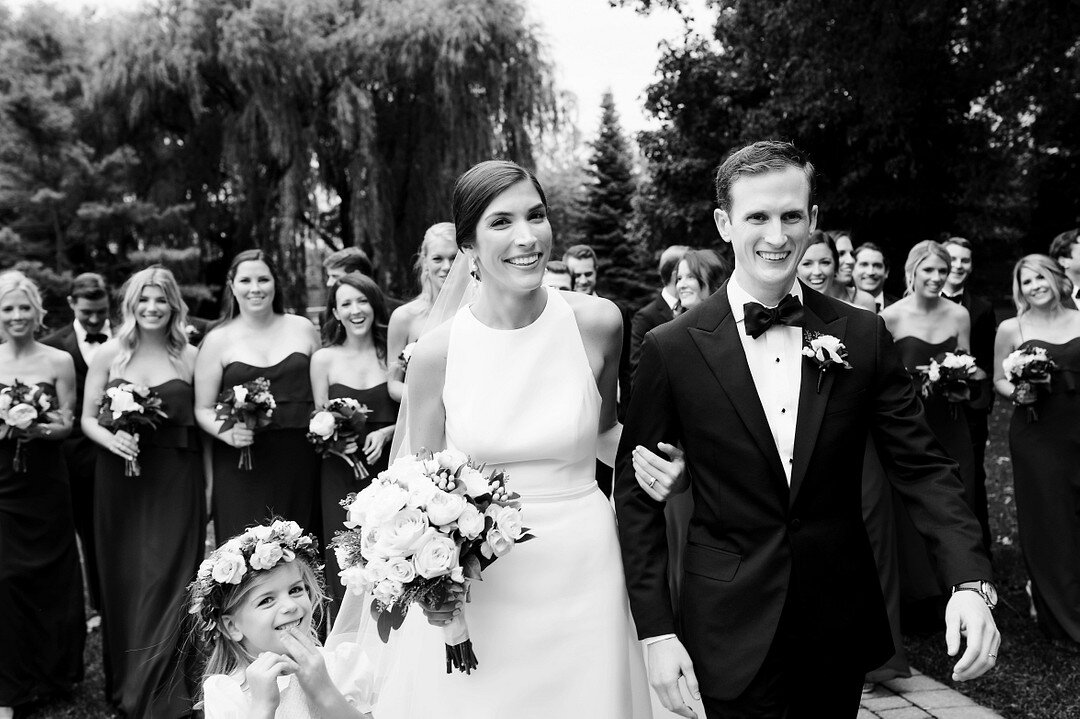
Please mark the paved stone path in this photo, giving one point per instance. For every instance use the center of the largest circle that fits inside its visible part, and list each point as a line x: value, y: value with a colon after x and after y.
x: 920, y: 696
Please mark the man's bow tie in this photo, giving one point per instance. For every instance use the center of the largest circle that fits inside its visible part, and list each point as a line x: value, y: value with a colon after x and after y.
x: 760, y: 318
x: 958, y: 299
x: 96, y: 338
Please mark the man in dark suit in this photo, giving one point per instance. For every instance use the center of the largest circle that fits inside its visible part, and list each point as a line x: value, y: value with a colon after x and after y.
x: 781, y: 608
x: 661, y: 308
x: 89, y: 302
x: 983, y: 330
x: 871, y: 271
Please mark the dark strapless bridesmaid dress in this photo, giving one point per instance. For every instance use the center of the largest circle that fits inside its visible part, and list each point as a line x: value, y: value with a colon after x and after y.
x: 150, y: 534
x: 285, y: 474
x: 338, y: 478
x: 1046, y: 475
x: 42, y: 624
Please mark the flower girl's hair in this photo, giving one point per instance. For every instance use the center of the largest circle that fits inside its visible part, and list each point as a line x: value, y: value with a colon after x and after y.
x: 228, y: 573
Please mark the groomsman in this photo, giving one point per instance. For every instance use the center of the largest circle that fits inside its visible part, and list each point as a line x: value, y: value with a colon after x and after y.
x: 1065, y: 248
x: 871, y: 271
x: 89, y: 302
x: 781, y: 608
x: 983, y: 330
x: 662, y: 307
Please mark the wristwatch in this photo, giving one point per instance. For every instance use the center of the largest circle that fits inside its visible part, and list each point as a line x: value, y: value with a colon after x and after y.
x: 983, y: 588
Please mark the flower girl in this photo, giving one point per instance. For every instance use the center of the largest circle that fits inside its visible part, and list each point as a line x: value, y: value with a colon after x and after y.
x: 254, y: 608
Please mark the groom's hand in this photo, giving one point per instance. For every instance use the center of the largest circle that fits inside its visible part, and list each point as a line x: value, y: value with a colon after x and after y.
x: 967, y: 615
x: 668, y: 661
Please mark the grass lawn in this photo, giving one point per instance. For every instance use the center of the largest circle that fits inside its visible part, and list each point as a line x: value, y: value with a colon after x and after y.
x: 1034, y: 678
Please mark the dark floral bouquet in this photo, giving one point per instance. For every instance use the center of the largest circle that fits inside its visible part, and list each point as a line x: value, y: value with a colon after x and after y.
x: 249, y: 404
x: 23, y: 405
x: 420, y: 531
x: 949, y: 375
x: 337, y: 428
x: 1028, y: 369
x: 130, y: 407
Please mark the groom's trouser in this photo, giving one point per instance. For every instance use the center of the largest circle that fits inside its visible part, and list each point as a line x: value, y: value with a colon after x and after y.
x: 799, y: 679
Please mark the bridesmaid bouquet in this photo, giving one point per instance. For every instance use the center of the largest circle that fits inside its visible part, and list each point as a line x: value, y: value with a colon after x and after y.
x: 949, y: 375
x: 23, y: 405
x: 405, y: 356
x: 336, y: 429
x: 1027, y: 369
x: 420, y: 531
x: 130, y: 407
x: 249, y: 404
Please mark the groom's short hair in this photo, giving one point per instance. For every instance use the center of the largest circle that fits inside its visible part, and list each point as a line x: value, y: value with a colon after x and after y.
x: 756, y: 159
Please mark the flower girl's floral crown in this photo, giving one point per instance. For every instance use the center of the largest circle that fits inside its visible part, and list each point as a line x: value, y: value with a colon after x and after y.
x: 259, y: 549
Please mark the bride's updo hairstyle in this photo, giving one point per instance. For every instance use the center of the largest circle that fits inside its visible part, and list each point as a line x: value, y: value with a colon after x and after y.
x: 919, y: 254
x: 475, y: 190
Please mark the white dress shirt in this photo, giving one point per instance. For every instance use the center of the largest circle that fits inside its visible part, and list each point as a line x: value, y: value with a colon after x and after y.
x: 775, y: 360
x: 670, y: 297
x: 89, y: 349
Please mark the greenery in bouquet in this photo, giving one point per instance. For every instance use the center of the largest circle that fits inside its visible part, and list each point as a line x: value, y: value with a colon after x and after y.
x: 21, y: 406
x: 249, y: 404
x: 337, y: 429
x: 130, y: 408
x: 1028, y: 369
x: 949, y: 375
x: 420, y: 532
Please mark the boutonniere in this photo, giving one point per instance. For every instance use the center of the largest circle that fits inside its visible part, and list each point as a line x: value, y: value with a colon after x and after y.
x: 825, y: 351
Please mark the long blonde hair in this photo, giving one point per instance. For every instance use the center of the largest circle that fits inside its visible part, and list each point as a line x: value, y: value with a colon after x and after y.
x: 438, y: 231
x: 128, y: 335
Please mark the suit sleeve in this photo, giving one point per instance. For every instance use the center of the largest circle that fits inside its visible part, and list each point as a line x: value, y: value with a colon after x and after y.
x: 983, y: 329
x: 927, y: 480
x: 650, y: 418
x: 639, y: 325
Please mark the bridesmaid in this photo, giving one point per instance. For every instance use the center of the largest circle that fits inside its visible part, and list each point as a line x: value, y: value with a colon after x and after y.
x: 255, y: 338
x: 1046, y: 452
x: 699, y: 274
x: 150, y: 529
x: 352, y: 363
x: 42, y: 626
x: 923, y: 324
x: 819, y: 270
x: 436, y: 256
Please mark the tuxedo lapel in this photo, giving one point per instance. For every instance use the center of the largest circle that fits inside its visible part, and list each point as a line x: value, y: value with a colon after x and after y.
x: 821, y: 318
x: 716, y: 337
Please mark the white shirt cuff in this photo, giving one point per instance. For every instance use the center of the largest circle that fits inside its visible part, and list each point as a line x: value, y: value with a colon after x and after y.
x: 653, y: 640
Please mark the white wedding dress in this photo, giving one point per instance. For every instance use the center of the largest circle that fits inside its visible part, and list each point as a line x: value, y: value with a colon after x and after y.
x: 550, y: 622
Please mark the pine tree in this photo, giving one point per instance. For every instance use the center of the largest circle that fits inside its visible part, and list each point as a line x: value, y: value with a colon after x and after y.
x: 608, y: 208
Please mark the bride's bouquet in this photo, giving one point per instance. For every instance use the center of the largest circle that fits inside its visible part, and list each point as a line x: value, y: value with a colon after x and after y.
x: 23, y: 405
x: 1028, y: 369
x: 249, y: 404
x: 336, y: 429
x: 130, y: 407
x: 949, y: 375
x: 420, y: 531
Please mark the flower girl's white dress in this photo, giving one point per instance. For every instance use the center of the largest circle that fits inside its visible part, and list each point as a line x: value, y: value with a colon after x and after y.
x: 550, y: 622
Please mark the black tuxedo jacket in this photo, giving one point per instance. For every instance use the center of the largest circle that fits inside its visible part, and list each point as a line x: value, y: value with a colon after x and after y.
x: 65, y: 339
x: 654, y: 314
x: 754, y: 544
x: 983, y: 329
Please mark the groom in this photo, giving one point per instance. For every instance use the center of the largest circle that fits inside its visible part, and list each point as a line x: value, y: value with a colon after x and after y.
x: 781, y: 612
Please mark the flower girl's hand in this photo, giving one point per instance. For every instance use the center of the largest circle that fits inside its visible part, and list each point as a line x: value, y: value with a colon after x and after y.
x: 310, y: 665
x: 660, y: 478
x: 125, y: 445
x: 262, y: 677
x: 238, y: 436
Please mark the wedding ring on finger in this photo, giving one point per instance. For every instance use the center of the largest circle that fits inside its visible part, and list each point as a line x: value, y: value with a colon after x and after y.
x: 652, y: 481
x: 992, y: 656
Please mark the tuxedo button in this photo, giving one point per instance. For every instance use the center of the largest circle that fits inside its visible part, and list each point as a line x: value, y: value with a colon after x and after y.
x: 795, y: 524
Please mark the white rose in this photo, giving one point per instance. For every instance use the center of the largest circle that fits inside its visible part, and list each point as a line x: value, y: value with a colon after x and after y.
x: 403, y: 470
x: 436, y: 558
x: 341, y: 554
x: 266, y: 555
x: 21, y: 416
x: 376, y: 570
x: 240, y: 394
x: 421, y: 490
x: 5, y: 401
x: 378, y: 506
x: 470, y: 523
x: 45, y: 403
x: 400, y: 569
x: 262, y: 532
x: 121, y: 401
x: 288, y: 530
x: 388, y: 591
x: 404, y: 532
x: 370, y: 548
x: 935, y: 372
x: 229, y: 568
x: 507, y: 520
x: 476, y: 483
x: 496, y: 544
x: 355, y: 580
x: 206, y: 568
x: 444, y: 508
x: 451, y: 459
x: 322, y: 424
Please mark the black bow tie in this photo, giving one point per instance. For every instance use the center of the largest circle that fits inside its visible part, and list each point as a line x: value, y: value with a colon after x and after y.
x: 958, y: 299
x: 96, y: 338
x: 760, y: 318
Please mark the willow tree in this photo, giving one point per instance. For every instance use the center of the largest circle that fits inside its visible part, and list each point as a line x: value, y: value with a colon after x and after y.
x: 267, y: 104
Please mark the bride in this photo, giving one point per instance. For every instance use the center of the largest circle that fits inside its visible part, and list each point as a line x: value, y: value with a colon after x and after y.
x: 524, y: 379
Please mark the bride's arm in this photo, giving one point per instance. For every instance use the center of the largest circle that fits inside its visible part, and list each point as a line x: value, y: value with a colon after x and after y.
x: 601, y: 326
x: 427, y: 372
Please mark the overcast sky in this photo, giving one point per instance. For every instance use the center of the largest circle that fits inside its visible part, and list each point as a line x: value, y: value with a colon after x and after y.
x: 593, y: 46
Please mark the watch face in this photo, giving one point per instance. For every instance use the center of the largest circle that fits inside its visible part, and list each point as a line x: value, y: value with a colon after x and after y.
x: 991, y: 592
